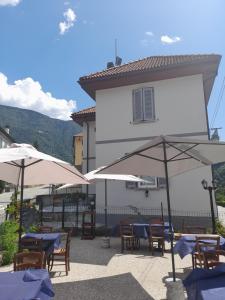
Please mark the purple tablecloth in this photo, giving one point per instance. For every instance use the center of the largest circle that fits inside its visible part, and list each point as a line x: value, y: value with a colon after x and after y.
x: 186, y: 245
x: 203, y: 284
x: 26, y: 285
x: 53, y: 240
x: 142, y: 230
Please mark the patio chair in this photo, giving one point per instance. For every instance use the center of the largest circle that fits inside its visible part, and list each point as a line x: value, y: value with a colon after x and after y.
x: 88, y: 225
x: 156, y: 235
x: 157, y: 221
x: 207, y: 252
x: 31, y: 244
x: 62, y: 254
x: 128, y: 239
x: 45, y: 229
x: 29, y: 260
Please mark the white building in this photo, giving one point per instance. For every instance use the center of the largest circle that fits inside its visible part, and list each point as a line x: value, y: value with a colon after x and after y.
x: 140, y: 100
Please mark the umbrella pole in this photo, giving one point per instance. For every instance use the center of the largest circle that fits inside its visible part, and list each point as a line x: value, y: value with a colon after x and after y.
x: 169, y: 212
x: 106, y: 213
x: 21, y: 202
x: 162, y: 215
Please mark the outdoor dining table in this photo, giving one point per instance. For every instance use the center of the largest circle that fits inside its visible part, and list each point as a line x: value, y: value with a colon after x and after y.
x: 187, y: 242
x: 26, y: 285
x: 204, y: 284
x: 51, y: 241
x: 141, y: 230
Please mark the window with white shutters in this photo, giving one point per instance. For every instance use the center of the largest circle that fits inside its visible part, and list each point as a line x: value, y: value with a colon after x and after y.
x: 143, y: 105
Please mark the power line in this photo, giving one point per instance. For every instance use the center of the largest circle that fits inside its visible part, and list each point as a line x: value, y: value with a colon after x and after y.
x: 220, y: 98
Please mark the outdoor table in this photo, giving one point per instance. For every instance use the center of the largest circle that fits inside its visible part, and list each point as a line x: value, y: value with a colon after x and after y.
x: 51, y: 240
x: 204, y: 284
x: 186, y: 244
x: 142, y: 230
x: 26, y: 285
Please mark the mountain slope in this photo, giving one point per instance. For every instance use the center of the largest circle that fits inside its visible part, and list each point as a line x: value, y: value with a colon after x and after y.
x: 52, y: 136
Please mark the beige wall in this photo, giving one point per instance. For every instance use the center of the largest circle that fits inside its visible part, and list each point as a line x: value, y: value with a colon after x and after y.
x: 180, y: 109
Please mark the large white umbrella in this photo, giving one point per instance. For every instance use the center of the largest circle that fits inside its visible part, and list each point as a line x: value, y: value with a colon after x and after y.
x: 93, y: 176
x: 22, y: 164
x: 167, y: 156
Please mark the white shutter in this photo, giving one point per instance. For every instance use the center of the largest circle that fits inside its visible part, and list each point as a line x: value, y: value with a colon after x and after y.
x: 148, y: 104
x: 137, y: 105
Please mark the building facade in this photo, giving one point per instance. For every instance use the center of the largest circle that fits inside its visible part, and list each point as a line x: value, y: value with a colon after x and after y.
x: 165, y: 95
x: 5, y: 138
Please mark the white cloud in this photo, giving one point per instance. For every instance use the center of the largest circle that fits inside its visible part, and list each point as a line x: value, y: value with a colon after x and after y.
x: 165, y: 39
x: 9, y: 2
x: 149, y: 33
x: 70, y: 18
x: 27, y: 93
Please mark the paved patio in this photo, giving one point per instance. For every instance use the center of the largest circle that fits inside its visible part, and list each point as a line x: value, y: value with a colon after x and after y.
x: 100, y: 274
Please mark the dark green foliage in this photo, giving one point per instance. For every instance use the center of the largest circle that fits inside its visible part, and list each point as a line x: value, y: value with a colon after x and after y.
x: 2, y: 186
x: 8, y: 240
x: 219, y: 176
x: 53, y: 136
x: 220, y: 229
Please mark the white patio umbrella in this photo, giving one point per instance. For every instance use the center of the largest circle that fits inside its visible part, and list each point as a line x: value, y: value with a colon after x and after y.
x: 22, y: 164
x: 167, y: 156
x: 93, y: 176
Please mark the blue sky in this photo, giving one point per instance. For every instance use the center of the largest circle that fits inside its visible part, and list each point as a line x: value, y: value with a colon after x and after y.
x: 46, y: 59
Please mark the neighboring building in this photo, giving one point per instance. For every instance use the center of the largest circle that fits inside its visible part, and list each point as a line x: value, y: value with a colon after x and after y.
x: 140, y: 100
x: 5, y: 138
x: 86, y: 119
x: 78, y: 150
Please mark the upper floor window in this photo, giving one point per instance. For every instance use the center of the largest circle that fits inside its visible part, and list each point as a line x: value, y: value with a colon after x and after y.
x: 143, y: 104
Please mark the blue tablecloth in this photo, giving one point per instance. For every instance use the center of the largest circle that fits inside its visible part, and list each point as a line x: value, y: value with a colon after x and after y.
x: 52, y: 240
x: 142, y: 230
x: 26, y: 285
x: 202, y: 284
x: 186, y: 245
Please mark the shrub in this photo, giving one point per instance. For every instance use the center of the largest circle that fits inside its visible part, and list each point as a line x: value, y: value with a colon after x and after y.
x: 220, y: 228
x: 8, y: 240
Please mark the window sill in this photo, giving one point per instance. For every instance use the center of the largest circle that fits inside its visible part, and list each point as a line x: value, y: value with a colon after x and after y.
x: 143, y: 121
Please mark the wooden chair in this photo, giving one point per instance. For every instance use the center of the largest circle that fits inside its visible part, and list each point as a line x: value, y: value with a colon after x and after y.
x: 207, y: 252
x: 156, y: 235
x: 31, y: 244
x: 62, y: 253
x: 128, y: 239
x: 194, y: 230
x: 157, y: 221
x: 29, y: 260
x: 88, y: 225
x: 45, y: 229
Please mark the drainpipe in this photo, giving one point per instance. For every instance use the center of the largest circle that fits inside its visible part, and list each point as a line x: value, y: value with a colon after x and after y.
x: 208, y: 129
x: 87, y: 158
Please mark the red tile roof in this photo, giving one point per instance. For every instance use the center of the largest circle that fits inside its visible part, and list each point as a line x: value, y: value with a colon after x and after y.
x: 87, y: 114
x: 149, y: 63
x: 164, y: 65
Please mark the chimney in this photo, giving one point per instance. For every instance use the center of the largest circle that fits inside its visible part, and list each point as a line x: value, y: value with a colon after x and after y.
x: 118, y: 61
x: 110, y: 64
x: 7, y: 129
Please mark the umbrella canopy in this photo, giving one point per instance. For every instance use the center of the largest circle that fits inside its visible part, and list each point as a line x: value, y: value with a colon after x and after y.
x: 40, y: 167
x: 92, y: 177
x: 167, y: 156
x: 182, y: 155
x: 22, y: 164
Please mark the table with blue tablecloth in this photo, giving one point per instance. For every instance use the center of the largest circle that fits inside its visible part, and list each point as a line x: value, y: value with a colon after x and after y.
x: 142, y: 230
x: 51, y: 241
x: 204, y: 284
x: 26, y: 285
x: 186, y: 244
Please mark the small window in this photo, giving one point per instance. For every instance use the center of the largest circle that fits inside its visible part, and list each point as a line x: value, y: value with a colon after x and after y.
x: 143, y: 105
